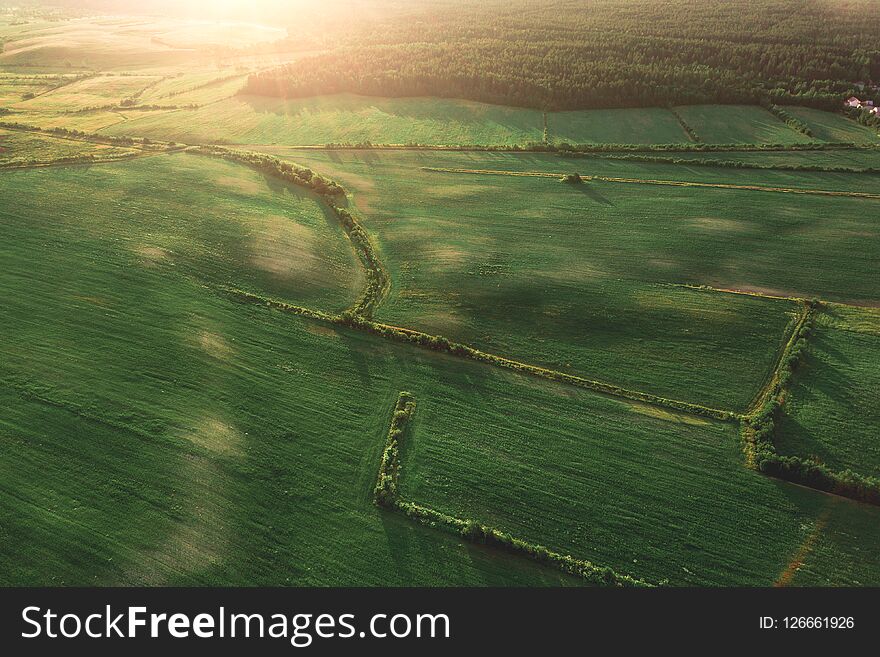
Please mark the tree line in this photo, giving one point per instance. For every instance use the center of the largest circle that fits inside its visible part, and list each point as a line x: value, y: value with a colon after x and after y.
x: 572, y: 54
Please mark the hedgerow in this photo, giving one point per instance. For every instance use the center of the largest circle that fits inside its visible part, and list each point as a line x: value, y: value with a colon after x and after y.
x: 386, y: 494
x: 694, y: 137
x: 761, y: 428
x: 791, y: 121
x: 332, y: 194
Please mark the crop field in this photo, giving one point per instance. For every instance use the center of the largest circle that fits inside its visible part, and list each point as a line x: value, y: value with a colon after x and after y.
x: 832, y: 127
x: 252, y: 336
x: 18, y: 148
x: 738, y: 124
x: 840, y: 381
x: 651, y: 125
x: 338, y: 119
x: 654, y: 495
x: 90, y: 92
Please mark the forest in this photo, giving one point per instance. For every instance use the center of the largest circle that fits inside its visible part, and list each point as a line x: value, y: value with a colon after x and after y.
x: 573, y: 54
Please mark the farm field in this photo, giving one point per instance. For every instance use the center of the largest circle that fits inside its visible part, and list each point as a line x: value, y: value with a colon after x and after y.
x: 738, y: 124
x: 867, y: 158
x: 832, y: 127
x: 229, y: 405
x: 653, y: 125
x: 627, y: 349
x: 655, y: 495
x: 838, y: 382
x: 466, y: 264
x: 89, y: 92
x: 352, y: 119
x: 226, y: 223
x: 19, y: 148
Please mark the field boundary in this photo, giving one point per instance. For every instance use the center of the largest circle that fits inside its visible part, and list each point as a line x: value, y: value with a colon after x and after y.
x: 441, y: 344
x: 649, y: 181
x: 386, y: 495
x: 329, y: 191
x: 758, y: 429
x: 732, y: 164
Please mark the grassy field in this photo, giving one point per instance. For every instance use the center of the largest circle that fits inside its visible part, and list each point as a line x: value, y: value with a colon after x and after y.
x: 18, y: 148
x: 834, y: 127
x: 650, y: 493
x: 852, y: 158
x: 222, y: 222
x: 735, y: 238
x: 200, y: 455
x: 91, y: 92
x: 565, y: 276
x: 651, y: 125
x: 830, y: 413
x: 738, y: 124
x: 345, y: 118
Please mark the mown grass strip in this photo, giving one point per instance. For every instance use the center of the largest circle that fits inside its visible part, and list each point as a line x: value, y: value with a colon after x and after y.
x: 649, y: 181
x: 386, y: 494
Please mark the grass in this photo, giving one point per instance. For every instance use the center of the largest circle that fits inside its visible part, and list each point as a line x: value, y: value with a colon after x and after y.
x: 156, y: 433
x: 738, y: 124
x: 830, y: 414
x: 344, y: 118
x: 224, y: 222
x: 651, y: 494
x: 564, y: 276
x: 828, y: 126
x: 651, y: 125
x: 91, y: 92
x: 227, y: 443
x: 853, y: 158
x: 19, y: 148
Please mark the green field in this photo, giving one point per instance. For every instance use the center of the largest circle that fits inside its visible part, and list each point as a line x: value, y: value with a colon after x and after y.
x: 222, y: 222
x: 831, y: 414
x: 652, y: 125
x: 564, y: 276
x: 849, y: 157
x: 353, y: 119
x: 19, y: 148
x: 834, y: 127
x: 738, y: 124
x: 91, y: 92
x: 167, y: 420
x: 655, y: 495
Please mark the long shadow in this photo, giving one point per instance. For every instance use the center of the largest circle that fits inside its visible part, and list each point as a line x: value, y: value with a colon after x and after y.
x: 588, y: 189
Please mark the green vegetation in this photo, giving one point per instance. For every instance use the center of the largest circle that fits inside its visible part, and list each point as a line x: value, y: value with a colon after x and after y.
x: 338, y: 119
x: 739, y: 124
x: 631, y: 322
x: 219, y: 219
x: 24, y: 148
x: 466, y: 264
x: 570, y: 54
x: 652, y: 125
x: 828, y: 126
x: 649, y: 493
x: 830, y: 415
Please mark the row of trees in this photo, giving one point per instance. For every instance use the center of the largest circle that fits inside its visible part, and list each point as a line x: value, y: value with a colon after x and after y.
x: 795, y: 468
x: 571, y: 54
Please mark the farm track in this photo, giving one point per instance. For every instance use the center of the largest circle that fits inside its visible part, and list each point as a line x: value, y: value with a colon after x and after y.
x: 649, y: 181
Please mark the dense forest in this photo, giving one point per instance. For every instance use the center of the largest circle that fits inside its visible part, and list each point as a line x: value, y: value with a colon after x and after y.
x: 571, y: 54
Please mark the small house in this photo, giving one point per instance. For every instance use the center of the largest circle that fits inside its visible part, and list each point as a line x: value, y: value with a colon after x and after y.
x: 852, y: 101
